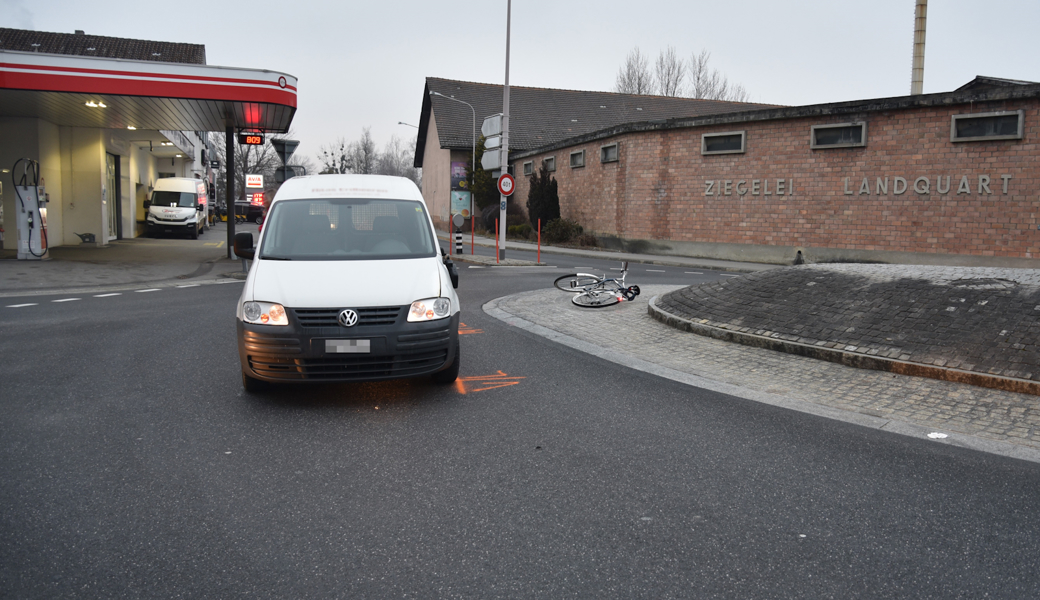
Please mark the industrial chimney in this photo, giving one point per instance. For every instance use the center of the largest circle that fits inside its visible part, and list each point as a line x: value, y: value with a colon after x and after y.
x: 920, y: 20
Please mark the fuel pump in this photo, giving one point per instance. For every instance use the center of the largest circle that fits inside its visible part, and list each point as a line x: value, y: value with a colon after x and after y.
x: 31, y: 213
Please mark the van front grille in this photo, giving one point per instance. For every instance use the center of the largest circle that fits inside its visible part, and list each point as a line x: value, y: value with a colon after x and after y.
x: 327, y: 317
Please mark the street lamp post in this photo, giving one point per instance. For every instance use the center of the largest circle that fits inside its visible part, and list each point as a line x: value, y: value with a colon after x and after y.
x: 473, y: 168
x: 408, y: 124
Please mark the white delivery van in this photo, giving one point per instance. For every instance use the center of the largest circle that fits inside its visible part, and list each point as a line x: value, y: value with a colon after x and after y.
x: 177, y: 205
x: 348, y: 283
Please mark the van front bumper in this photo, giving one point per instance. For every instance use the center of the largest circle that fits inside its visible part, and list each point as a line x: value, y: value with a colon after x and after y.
x: 298, y: 354
x: 175, y: 227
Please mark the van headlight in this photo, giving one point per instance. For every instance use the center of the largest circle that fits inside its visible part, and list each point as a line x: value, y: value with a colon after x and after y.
x: 429, y: 309
x: 264, y: 313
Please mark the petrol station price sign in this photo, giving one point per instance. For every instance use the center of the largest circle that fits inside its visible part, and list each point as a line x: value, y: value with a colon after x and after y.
x: 251, y: 139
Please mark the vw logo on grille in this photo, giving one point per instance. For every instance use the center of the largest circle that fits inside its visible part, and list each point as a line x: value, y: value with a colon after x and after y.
x: 347, y: 318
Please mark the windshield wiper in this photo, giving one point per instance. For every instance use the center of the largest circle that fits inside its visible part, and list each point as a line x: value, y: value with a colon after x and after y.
x: 269, y: 257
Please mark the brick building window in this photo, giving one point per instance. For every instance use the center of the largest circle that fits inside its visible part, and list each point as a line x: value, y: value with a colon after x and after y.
x: 608, y: 153
x: 728, y: 142
x: 840, y: 135
x: 577, y: 159
x: 550, y: 163
x: 1006, y: 125
x: 528, y: 168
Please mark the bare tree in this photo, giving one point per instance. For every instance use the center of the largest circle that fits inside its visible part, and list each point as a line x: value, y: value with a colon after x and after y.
x: 333, y: 157
x: 635, y: 77
x: 396, y: 159
x: 363, y: 154
x: 356, y: 157
x: 303, y: 164
x: 710, y: 84
x: 669, y: 73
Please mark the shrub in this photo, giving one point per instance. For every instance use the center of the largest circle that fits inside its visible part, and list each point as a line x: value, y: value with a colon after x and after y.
x: 522, y: 230
x: 543, y: 200
x: 561, y: 231
x: 586, y: 239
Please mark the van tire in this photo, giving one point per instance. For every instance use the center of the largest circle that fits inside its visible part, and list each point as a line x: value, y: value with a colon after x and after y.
x: 195, y: 233
x: 450, y: 374
x: 253, y: 385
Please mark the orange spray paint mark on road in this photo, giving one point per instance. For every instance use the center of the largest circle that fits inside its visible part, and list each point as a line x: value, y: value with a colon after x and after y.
x: 481, y: 383
x: 464, y: 330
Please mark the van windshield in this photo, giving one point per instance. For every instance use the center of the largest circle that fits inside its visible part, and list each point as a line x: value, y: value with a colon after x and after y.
x: 347, y: 229
x: 179, y: 199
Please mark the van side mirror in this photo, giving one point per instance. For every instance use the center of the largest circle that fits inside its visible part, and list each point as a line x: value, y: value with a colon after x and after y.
x: 453, y: 272
x: 200, y: 208
x: 147, y: 203
x: 244, y: 245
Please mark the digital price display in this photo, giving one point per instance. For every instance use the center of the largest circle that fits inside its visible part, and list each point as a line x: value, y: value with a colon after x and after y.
x: 258, y: 199
x: 251, y: 139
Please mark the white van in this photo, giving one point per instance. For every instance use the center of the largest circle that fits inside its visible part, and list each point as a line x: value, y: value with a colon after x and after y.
x: 177, y: 205
x: 348, y: 283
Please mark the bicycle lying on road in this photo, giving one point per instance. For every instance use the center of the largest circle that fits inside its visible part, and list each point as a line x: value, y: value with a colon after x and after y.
x: 591, y: 291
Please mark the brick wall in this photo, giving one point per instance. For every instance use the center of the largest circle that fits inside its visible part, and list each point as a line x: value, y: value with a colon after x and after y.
x: 658, y: 189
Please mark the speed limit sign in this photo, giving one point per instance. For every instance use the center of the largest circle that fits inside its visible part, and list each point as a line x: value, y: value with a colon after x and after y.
x: 506, y: 184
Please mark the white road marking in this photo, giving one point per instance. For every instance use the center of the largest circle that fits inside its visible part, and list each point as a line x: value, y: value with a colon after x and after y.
x: 107, y: 295
x: 693, y: 273
x: 614, y: 269
x: 728, y: 275
x: 472, y: 267
x: 655, y: 271
x: 66, y: 300
x: 189, y: 285
x: 20, y: 305
x: 148, y: 290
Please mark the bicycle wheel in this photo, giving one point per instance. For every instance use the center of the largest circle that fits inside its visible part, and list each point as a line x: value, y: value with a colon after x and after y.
x: 575, y: 282
x: 595, y: 299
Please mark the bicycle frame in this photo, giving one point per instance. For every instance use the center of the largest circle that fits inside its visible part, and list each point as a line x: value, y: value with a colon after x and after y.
x: 604, y: 284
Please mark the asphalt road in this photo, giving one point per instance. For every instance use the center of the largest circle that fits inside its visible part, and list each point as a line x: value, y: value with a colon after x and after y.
x: 133, y: 465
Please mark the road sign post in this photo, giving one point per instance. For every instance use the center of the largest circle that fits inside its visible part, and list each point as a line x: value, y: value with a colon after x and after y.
x: 505, y: 133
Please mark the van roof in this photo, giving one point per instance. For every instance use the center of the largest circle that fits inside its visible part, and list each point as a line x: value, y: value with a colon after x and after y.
x: 191, y: 179
x: 349, y: 186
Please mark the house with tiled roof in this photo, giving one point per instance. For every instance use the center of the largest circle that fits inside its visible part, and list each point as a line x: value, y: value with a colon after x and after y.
x: 81, y: 44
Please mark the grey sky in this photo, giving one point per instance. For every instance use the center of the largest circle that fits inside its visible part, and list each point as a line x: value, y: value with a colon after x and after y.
x: 364, y: 63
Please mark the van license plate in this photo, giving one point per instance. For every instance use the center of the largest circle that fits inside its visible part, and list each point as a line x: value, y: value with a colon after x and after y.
x: 348, y: 346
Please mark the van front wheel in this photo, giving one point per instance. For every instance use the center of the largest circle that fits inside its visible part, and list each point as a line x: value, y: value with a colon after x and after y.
x: 450, y: 374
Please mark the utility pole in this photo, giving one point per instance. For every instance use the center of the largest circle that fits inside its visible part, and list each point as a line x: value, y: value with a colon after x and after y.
x: 505, y: 140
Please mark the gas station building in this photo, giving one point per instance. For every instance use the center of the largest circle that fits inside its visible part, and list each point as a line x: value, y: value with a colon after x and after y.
x: 106, y: 117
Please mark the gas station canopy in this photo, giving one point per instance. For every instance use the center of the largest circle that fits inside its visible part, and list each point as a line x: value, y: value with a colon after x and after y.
x: 84, y: 91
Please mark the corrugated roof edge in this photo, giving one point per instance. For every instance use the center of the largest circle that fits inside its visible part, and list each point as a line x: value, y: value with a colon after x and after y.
x: 813, y: 110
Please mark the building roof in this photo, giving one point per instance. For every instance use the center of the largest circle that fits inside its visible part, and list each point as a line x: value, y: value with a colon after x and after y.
x: 838, y: 111
x: 981, y: 82
x: 542, y: 116
x: 80, y: 44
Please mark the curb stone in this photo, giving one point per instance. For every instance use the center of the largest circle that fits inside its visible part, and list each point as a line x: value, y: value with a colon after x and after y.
x: 843, y: 357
